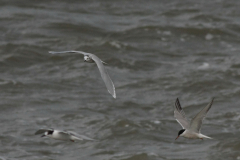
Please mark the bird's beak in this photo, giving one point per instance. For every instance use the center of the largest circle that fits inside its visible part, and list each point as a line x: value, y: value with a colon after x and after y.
x: 176, y: 138
x: 43, y: 136
x: 84, y: 60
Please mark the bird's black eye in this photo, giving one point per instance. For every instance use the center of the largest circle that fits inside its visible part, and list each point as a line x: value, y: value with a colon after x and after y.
x: 181, y: 131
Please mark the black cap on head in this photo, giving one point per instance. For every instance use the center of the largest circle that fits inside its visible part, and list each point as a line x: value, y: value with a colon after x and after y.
x: 181, y: 131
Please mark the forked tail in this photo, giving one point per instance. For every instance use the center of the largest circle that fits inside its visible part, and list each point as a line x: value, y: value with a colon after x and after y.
x: 203, y: 136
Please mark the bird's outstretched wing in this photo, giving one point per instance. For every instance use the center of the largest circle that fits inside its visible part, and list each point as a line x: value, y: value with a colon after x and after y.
x: 106, y: 78
x: 80, y: 52
x: 40, y: 131
x: 196, y: 122
x: 180, y: 115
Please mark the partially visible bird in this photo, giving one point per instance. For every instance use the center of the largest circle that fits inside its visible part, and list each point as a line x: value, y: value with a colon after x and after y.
x: 62, y: 135
x: 91, y: 58
x: 191, y: 130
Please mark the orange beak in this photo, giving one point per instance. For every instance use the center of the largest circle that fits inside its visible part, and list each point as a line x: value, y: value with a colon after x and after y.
x: 176, y: 138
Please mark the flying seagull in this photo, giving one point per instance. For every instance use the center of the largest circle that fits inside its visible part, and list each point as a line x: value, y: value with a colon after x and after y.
x: 191, y: 130
x: 91, y: 58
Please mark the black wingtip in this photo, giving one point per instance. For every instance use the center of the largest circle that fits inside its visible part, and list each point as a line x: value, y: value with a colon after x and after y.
x: 177, y: 103
x: 212, y: 100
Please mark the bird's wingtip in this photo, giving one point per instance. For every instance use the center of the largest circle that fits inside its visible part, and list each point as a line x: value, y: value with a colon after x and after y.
x: 90, y: 139
x: 113, y: 93
x: 37, y: 132
x: 177, y: 102
x: 52, y: 52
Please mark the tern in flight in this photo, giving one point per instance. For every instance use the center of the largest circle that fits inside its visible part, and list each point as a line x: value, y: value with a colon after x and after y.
x: 91, y: 58
x: 192, y: 129
x: 62, y: 135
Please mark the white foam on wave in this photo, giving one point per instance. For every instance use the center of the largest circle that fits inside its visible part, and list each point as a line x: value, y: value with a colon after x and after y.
x: 156, y: 122
x: 115, y: 44
x: 204, y: 66
x: 209, y: 36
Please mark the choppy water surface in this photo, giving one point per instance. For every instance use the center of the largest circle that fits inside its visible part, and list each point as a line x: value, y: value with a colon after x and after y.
x: 156, y: 52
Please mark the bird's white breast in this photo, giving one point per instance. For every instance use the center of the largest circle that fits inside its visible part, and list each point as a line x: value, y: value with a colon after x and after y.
x: 190, y: 134
x: 58, y: 136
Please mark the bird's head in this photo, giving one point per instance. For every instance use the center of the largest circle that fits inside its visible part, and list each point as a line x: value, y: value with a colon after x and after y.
x: 180, y: 133
x: 47, y: 133
x: 87, y: 58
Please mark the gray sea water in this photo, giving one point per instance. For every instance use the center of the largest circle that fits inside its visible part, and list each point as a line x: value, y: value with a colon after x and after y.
x: 156, y: 51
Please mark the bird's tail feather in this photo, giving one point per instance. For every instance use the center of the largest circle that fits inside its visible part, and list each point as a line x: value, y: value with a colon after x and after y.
x: 203, y: 136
